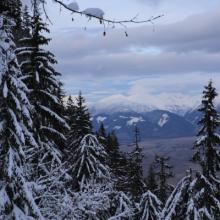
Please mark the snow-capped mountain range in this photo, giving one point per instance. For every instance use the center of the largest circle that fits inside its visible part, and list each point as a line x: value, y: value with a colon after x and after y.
x: 178, y: 104
x: 153, y: 123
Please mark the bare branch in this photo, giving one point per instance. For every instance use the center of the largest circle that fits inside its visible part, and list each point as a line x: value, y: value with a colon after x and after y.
x: 114, y: 22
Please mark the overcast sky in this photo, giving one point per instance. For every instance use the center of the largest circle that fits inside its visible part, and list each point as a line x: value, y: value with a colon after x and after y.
x: 175, y: 56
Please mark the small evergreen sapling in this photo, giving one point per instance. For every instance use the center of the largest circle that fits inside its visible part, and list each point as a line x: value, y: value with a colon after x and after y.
x: 89, y: 162
x: 150, y: 207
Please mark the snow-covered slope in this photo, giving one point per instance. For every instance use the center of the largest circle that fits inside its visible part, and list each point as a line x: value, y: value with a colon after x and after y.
x: 152, y: 124
x: 119, y: 103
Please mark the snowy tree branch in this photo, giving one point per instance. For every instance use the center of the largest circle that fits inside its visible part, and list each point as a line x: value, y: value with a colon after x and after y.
x: 102, y: 20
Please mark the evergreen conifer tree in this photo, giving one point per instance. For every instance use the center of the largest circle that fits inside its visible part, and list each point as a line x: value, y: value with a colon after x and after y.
x: 89, y: 163
x: 16, y: 188
x: 41, y: 78
x: 22, y: 30
x: 163, y: 173
x: 151, y: 183
x: 136, y: 170
x: 150, y: 207
x: 193, y: 199
x: 11, y: 8
x: 121, y: 207
x: 48, y: 125
x: 79, y: 121
x: 117, y: 162
x: 102, y: 136
x: 78, y: 118
x: 207, y: 154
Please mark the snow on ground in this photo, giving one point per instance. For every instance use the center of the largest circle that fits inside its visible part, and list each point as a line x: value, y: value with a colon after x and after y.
x: 117, y: 127
x: 100, y: 119
x: 134, y: 120
x: 122, y: 116
x: 163, y: 120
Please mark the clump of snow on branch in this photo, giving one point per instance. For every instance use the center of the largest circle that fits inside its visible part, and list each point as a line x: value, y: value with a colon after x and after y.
x: 73, y: 6
x: 90, y: 161
x: 123, y: 207
x: 193, y: 199
x: 97, y: 12
x: 150, y: 206
x: 92, y: 202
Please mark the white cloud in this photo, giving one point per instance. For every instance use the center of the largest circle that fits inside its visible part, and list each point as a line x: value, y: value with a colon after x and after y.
x: 167, y: 92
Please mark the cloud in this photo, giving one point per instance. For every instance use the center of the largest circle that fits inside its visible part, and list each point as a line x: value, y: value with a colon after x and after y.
x: 188, y: 46
x: 163, y: 92
x: 158, y: 68
x: 150, y: 2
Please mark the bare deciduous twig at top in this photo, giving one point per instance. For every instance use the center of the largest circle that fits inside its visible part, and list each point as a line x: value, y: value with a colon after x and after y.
x: 112, y: 22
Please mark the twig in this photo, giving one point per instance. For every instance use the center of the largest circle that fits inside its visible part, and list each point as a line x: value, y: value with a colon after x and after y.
x: 120, y: 22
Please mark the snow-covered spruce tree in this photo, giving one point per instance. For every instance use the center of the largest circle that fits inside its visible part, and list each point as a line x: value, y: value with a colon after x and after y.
x: 193, y: 199
x: 163, y: 173
x: 48, y: 125
x: 16, y: 189
x: 207, y: 154
x: 89, y: 162
x: 41, y: 78
x: 92, y: 202
x: 150, y: 207
x: 151, y: 182
x: 121, y: 207
x: 98, y: 201
x: 137, y: 184
x: 176, y: 205
x: 79, y: 121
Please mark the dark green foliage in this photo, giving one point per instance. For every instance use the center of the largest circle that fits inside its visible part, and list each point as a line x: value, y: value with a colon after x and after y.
x: 41, y: 79
x: 118, y: 163
x: 163, y: 174
x: 12, y: 8
x: 78, y: 118
x: 137, y: 184
x: 102, y: 136
x: 206, y: 145
x: 151, y: 182
x: 23, y: 30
